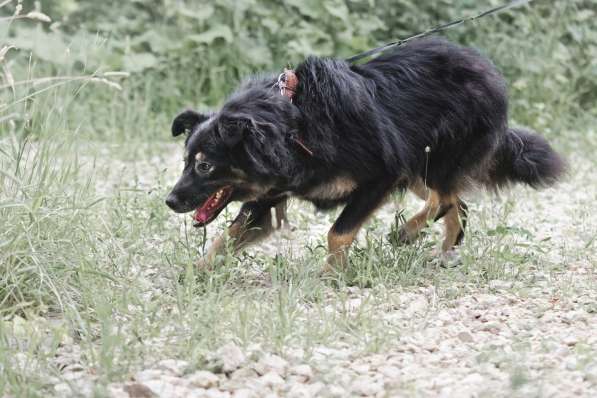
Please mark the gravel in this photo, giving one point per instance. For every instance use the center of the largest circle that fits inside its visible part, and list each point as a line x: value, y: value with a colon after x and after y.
x: 527, y: 337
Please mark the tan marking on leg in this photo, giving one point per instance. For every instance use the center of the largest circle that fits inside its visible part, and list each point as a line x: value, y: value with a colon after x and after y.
x: 239, y: 235
x: 358, y: 211
x: 453, y: 224
x: 413, y: 227
x: 338, y: 245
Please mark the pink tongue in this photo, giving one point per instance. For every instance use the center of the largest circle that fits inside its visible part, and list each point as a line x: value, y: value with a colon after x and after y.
x: 201, y: 215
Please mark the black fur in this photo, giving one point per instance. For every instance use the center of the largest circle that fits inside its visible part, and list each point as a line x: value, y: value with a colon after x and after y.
x: 370, y: 124
x: 526, y: 157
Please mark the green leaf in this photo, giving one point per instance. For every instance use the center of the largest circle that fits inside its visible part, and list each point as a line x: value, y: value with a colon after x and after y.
x: 208, y: 37
x: 200, y: 14
x: 337, y: 9
x: 137, y: 62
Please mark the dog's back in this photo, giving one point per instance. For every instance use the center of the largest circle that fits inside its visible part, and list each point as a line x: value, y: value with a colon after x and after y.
x: 429, y: 110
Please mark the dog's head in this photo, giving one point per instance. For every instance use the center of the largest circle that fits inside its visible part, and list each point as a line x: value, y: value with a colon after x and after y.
x: 239, y: 153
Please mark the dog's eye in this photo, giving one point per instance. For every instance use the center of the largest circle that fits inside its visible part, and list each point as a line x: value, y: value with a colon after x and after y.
x: 203, y: 167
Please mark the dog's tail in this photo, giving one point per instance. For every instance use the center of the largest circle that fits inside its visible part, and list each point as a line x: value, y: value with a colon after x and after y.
x: 525, y: 156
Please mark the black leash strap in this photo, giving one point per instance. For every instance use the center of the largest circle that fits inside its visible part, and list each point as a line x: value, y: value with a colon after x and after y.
x: 439, y: 28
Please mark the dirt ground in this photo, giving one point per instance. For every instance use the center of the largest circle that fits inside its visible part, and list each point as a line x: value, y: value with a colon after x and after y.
x: 529, y: 335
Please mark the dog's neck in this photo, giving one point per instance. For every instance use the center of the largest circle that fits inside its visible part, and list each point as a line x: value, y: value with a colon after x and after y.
x: 287, y: 82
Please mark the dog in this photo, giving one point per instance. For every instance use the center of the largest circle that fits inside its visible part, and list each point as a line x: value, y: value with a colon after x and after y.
x: 430, y: 116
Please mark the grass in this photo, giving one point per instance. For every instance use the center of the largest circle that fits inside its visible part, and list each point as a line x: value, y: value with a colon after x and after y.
x: 101, y: 269
x: 92, y: 260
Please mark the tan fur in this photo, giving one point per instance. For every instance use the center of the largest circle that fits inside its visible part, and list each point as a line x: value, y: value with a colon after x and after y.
x: 413, y: 227
x: 239, y: 236
x: 338, y: 245
x: 433, y: 203
x: 452, y: 225
x: 335, y: 189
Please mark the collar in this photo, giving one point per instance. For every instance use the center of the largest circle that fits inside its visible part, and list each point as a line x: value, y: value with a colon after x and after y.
x: 287, y: 82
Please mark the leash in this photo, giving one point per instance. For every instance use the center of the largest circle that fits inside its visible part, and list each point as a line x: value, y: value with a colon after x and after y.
x: 436, y: 29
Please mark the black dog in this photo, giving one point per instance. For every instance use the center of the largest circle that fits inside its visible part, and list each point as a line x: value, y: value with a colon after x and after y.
x: 430, y: 116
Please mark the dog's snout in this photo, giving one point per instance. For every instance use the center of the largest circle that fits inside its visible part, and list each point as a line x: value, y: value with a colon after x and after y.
x: 173, y: 202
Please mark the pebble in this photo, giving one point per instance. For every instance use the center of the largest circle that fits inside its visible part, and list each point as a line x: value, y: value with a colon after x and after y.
x: 271, y: 363
x: 364, y: 385
x: 271, y: 379
x: 390, y: 372
x: 465, y: 337
x: 203, y: 379
x: 148, y: 374
x: 302, y: 370
x: 172, y: 366
x: 244, y: 393
x: 137, y: 390
x: 227, y: 358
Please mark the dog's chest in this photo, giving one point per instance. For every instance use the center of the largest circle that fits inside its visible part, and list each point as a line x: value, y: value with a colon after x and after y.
x: 336, y: 188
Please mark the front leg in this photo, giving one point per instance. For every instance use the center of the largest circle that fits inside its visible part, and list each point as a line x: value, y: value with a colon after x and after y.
x: 363, y: 202
x: 253, y: 222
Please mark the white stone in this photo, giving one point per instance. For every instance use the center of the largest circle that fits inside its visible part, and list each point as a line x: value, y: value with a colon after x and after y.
x: 364, y: 385
x: 465, y: 337
x: 271, y: 363
x: 164, y: 388
x: 215, y: 393
x: 173, y: 366
x: 336, y: 391
x: 271, y: 379
x: 244, y: 393
x: 570, y: 340
x: 203, y: 379
x: 148, y: 374
x: 229, y: 357
x: 302, y: 370
x: 299, y: 391
x: 360, y: 368
x: 391, y: 372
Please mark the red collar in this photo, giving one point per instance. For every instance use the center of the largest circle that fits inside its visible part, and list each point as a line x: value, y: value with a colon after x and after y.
x: 287, y: 82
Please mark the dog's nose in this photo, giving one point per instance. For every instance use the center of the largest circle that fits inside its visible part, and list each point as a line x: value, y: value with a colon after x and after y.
x: 172, y: 201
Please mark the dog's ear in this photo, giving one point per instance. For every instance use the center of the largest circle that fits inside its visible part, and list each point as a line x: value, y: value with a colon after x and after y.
x: 184, y: 121
x: 233, y: 130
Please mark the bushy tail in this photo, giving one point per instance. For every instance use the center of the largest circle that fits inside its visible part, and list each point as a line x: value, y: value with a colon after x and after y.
x: 524, y: 156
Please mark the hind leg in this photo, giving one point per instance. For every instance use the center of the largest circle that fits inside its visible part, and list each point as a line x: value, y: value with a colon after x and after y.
x: 454, y: 222
x: 437, y: 206
x: 433, y: 210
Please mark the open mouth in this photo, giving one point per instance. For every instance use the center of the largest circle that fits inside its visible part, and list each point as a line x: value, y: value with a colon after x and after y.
x: 210, y: 209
